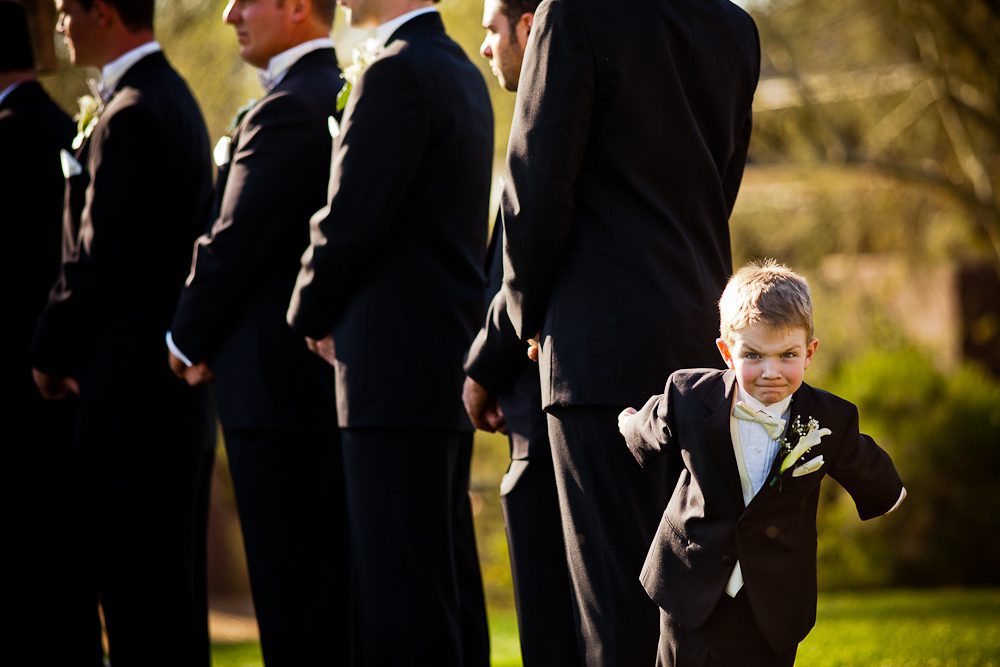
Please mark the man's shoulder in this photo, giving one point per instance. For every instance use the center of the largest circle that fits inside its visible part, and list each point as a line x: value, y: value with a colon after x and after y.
x: 695, y: 381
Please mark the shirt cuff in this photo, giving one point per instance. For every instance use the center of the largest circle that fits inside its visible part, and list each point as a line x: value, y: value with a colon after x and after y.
x: 902, y: 494
x: 176, y: 351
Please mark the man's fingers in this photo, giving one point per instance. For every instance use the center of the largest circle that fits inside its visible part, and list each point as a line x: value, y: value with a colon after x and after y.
x: 533, y: 348
x: 72, y: 385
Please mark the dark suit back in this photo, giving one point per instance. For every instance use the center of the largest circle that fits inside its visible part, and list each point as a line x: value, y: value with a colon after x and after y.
x: 705, y: 527
x: 629, y: 141
x: 130, y: 219
x: 232, y: 310
x: 401, y: 242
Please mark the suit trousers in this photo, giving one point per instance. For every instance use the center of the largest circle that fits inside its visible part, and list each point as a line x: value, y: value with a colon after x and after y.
x: 538, y: 563
x: 147, y: 513
x: 289, y: 486
x: 610, y: 510
x: 730, y: 636
x: 53, y: 586
x: 417, y: 585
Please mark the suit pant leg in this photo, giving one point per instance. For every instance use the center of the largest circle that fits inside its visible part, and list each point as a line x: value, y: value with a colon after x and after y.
x: 147, y: 513
x: 610, y: 510
x: 289, y: 486
x: 53, y: 583
x: 542, y: 592
x: 400, y: 502
x: 472, y: 602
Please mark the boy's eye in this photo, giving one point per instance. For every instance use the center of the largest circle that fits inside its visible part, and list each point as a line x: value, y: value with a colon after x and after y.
x: 751, y: 355
x: 791, y: 354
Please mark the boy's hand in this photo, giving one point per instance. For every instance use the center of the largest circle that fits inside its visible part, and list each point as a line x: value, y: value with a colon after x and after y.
x: 623, y: 418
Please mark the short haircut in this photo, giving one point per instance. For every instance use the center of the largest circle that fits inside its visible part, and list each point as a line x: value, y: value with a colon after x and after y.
x: 325, y: 10
x: 135, y: 14
x: 15, y: 39
x: 768, y: 293
x: 515, y: 9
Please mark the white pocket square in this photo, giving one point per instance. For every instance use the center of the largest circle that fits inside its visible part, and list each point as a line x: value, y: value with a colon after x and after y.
x: 222, y: 151
x: 70, y: 166
x: 812, y: 465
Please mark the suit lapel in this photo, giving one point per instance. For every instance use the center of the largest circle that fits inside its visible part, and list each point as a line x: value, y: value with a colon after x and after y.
x: 720, y: 443
x: 799, y: 407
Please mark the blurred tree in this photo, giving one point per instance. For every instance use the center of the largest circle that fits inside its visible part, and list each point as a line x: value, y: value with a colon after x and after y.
x: 904, y: 88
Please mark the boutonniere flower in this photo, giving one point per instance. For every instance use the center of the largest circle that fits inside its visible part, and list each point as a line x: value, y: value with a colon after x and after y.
x: 223, y: 147
x: 362, y: 58
x: 810, y: 436
x: 91, y: 107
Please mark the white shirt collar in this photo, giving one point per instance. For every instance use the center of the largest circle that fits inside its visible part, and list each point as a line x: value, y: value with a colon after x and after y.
x: 113, y: 72
x: 384, y: 31
x: 775, y: 409
x: 8, y: 90
x: 278, y: 66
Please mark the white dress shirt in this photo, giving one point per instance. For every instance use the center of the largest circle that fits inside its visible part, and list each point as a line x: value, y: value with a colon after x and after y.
x: 278, y: 66
x: 113, y: 72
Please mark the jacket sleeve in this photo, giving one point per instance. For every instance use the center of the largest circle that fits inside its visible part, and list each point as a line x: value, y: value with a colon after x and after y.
x: 263, y: 192
x: 103, y: 267
x: 866, y: 472
x: 548, y: 141
x: 378, y: 153
x: 649, y: 431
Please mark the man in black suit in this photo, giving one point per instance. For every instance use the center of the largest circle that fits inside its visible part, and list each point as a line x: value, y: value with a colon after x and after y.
x: 138, y: 194
x: 502, y: 393
x: 40, y: 499
x: 275, y: 397
x: 390, y: 292
x: 623, y: 166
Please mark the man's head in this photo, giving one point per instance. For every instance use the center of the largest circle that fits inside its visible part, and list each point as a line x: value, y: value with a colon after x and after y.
x: 98, y: 31
x: 15, y: 40
x: 265, y: 28
x: 766, y: 330
x: 371, y: 13
x: 507, y: 24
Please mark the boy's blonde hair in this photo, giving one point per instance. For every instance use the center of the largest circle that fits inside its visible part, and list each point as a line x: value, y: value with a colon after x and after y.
x: 768, y: 292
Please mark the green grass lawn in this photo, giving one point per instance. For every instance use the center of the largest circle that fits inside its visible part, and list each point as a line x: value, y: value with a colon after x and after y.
x: 935, y: 628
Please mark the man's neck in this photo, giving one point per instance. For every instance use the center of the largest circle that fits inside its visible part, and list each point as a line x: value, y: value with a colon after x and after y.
x: 8, y: 79
x: 394, y: 8
x: 124, y: 42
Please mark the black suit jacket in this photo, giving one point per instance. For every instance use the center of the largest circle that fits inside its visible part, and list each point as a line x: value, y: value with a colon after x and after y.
x: 395, y: 265
x: 232, y: 310
x: 706, y: 528
x: 628, y: 145
x: 33, y: 130
x: 129, y: 221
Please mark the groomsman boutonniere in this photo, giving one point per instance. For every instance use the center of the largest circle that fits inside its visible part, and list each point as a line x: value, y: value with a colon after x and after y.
x: 810, y: 436
x: 223, y: 147
x: 362, y: 58
x: 91, y: 107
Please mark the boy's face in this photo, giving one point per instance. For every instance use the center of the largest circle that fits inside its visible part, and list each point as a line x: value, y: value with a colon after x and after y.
x: 769, y: 362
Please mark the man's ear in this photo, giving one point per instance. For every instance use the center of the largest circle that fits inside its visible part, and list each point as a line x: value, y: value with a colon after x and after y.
x: 527, y: 19
x: 810, y: 351
x: 725, y: 352
x: 104, y: 13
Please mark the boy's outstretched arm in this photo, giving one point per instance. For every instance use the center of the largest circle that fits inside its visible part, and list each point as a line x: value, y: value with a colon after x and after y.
x: 648, y: 430
x: 867, y: 473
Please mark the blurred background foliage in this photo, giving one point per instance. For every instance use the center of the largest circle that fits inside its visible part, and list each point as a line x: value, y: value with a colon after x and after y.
x: 874, y: 169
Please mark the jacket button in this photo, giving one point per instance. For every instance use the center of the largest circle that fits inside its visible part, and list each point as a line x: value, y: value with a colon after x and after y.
x: 728, y: 560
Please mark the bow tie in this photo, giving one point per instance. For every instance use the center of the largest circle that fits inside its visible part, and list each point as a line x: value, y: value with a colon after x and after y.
x: 773, y: 425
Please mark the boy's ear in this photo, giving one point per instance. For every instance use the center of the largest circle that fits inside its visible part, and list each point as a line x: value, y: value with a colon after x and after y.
x: 724, y: 351
x: 810, y: 351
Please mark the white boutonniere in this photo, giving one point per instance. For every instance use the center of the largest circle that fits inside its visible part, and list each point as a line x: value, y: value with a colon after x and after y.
x: 91, y: 107
x: 222, y: 152
x: 810, y: 436
x: 361, y: 59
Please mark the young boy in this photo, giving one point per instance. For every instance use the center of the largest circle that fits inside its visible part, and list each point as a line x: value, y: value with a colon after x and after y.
x: 733, y: 563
